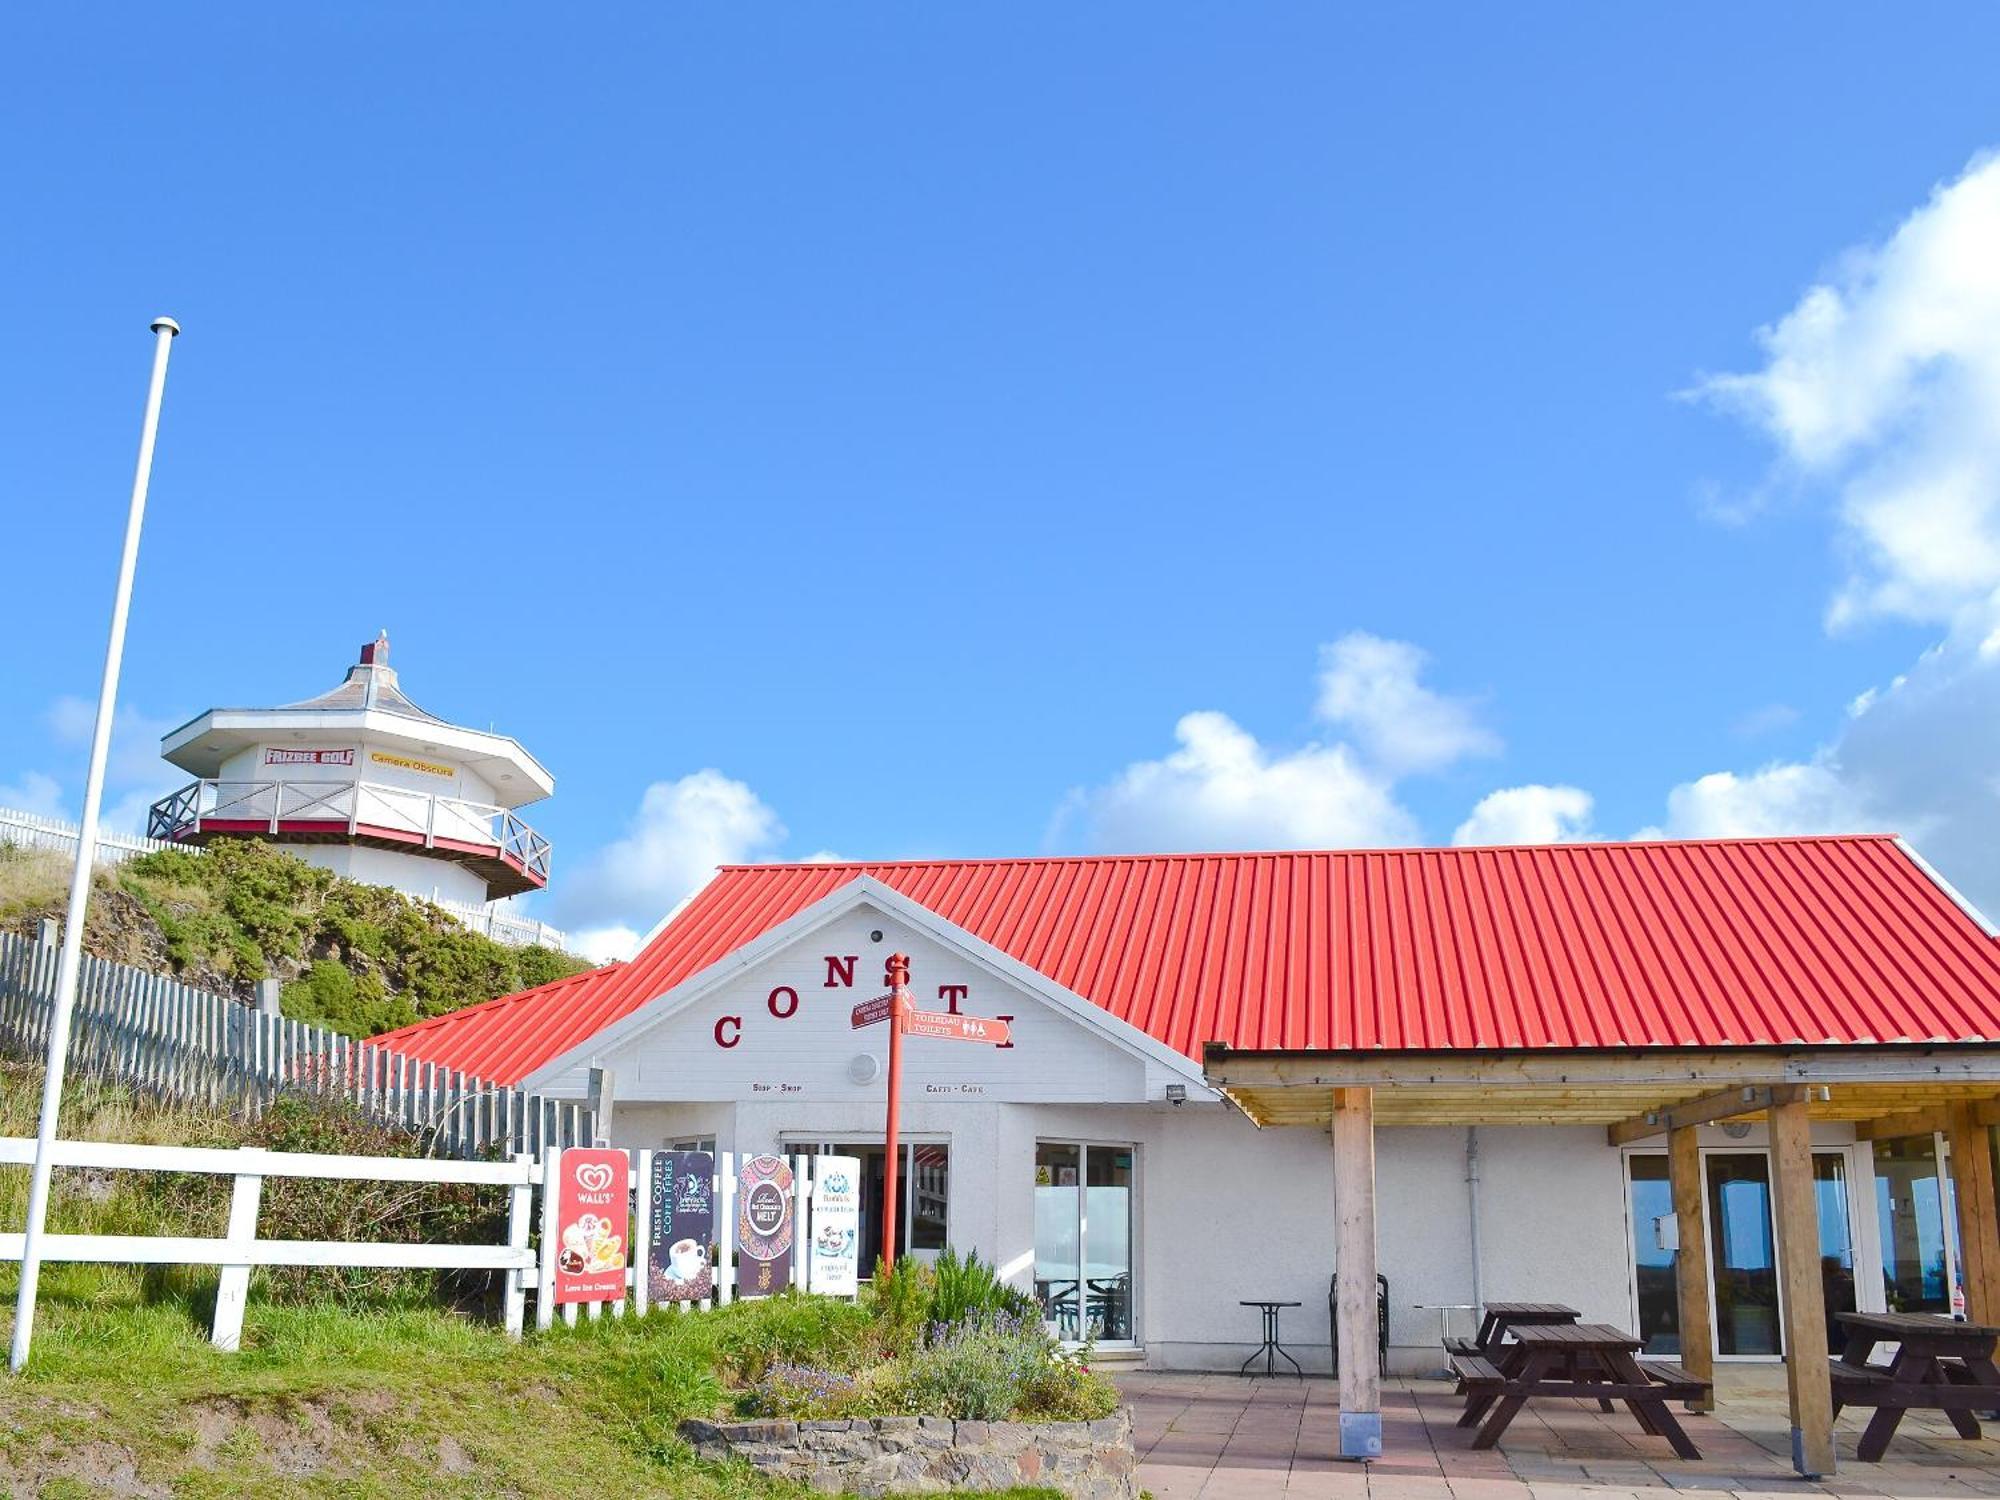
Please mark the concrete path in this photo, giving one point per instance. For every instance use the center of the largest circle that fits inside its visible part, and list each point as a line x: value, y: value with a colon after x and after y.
x: 1223, y: 1437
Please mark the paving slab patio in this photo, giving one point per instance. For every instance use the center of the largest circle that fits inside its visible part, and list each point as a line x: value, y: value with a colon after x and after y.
x: 1225, y: 1437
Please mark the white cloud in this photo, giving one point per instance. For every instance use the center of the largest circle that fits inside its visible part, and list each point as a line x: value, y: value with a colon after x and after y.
x: 603, y: 944
x: 1528, y: 815
x: 1221, y: 788
x: 33, y: 792
x: 682, y: 831
x: 134, y: 775
x: 1369, y: 686
x: 1883, y: 386
x: 134, y: 759
x: 1884, y: 383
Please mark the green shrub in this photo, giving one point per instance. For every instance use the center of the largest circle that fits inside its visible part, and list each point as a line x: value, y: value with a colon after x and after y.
x: 968, y: 1288
x: 900, y: 1301
x: 971, y: 1371
x: 330, y: 995
x: 246, y: 909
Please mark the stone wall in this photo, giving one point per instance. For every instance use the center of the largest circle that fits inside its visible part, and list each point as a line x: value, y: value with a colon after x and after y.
x: 871, y: 1456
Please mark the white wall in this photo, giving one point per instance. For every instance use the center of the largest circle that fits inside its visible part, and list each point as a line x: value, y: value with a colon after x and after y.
x: 779, y: 1029
x: 413, y: 874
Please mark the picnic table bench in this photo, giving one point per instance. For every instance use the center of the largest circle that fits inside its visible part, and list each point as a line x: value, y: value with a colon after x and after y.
x: 1501, y: 1316
x: 1584, y: 1361
x: 1940, y: 1365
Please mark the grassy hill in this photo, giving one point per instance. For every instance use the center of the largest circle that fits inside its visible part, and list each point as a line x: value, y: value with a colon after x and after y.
x: 360, y: 958
x: 369, y: 1383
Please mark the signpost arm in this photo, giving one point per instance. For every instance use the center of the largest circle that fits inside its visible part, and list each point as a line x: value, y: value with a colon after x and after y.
x: 899, y: 981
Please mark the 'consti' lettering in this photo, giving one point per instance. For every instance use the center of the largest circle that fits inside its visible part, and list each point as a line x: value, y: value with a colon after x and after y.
x: 783, y: 1000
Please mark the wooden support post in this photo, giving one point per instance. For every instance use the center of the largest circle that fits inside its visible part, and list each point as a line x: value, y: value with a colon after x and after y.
x: 233, y: 1291
x: 1978, y: 1215
x: 1808, y: 1377
x: 1354, y: 1262
x: 1691, y: 1263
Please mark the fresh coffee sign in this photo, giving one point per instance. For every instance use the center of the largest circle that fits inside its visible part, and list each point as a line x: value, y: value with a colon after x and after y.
x: 836, y: 1226
x: 677, y: 1264
x: 764, y: 1226
x: 591, y: 1223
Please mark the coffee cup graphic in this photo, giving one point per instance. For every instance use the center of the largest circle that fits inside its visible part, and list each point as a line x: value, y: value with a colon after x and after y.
x: 687, y: 1258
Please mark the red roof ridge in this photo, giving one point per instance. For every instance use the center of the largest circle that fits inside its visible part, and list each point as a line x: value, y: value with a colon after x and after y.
x: 1735, y: 840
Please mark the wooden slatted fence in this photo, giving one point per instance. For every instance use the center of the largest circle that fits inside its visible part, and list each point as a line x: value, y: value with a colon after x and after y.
x: 190, y: 1046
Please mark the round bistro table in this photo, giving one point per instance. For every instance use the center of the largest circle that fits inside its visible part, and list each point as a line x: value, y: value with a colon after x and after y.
x: 1272, y: 1351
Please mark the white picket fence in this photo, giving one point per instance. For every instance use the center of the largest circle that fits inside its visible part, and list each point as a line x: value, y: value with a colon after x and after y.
x: 640, y: 1207
x: 189, y: 1046
x: 240, y: 1250
x: 26, y: 830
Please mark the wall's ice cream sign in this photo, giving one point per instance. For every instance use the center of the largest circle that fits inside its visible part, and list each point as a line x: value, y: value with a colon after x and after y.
x: 591, y: 1224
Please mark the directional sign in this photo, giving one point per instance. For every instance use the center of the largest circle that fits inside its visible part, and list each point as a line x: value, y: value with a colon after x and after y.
x: 868, y: 1012
x: 947, y: 1027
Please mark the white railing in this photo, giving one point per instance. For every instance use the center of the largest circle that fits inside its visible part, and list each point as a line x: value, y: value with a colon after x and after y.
x: 25, y: 830
x: 239, y: 1250
x: 193, y: 1047
x: 353, y: 805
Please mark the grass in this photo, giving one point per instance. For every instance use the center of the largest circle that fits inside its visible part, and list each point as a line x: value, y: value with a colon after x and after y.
x: 125, y: 1395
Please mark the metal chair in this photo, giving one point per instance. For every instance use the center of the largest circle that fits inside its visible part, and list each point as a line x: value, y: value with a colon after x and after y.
x: 1381, y: 1317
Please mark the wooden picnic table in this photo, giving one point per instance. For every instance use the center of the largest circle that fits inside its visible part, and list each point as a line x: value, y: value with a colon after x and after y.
x: 1501, y: 1316
x: 1941, y: 1364
x: 1586, y: 1361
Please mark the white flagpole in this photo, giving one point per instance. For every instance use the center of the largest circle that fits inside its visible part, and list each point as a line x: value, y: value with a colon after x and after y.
x: 86, y: 859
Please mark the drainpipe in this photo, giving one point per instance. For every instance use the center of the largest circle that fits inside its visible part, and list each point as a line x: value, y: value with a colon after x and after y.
x: 1472, y: 1210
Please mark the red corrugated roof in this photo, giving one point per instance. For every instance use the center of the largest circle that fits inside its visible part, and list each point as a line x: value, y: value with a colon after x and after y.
x: 1722, y: 943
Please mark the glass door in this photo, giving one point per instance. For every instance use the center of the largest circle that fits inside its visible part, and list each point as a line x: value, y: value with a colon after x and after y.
x: 1910, y: 1207
x: 1742, y: 1243
x: 1083, y: 1240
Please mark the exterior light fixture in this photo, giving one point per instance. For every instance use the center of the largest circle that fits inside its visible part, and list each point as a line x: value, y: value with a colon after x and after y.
x: 1176, y: 1093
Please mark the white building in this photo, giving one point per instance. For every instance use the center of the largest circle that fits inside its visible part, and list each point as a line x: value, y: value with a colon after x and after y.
x: 1520, y: 1031
x: 363, y: 782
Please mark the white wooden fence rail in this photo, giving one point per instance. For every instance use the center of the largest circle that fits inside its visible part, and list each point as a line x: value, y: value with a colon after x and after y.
x: 240, y: 1249
x: 193, y: 1047
x: 26, y: 830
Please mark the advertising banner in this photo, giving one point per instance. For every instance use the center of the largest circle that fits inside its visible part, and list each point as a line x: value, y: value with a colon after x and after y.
x: 677, y: 1264
x: 764, y: 1226
x: 836, y: 1226
x: 592, y: 1219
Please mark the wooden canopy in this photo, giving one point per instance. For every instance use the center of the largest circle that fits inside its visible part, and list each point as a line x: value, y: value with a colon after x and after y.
x: 1635, y: 1094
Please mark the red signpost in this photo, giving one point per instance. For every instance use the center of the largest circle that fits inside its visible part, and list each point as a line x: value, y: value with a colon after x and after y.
x: 895, y: 1008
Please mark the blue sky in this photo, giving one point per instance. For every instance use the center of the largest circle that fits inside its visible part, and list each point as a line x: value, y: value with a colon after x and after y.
x: 909, y: 415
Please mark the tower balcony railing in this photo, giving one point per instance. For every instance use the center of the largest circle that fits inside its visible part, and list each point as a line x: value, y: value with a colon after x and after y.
x: 360, y: 809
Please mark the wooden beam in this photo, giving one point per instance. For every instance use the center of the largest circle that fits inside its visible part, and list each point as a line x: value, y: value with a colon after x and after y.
x: 1663, y: 1068
x: 1978, y: 1215
x: 1727, y: 1104
x: 1354, y: 1261
x: 1911, y: 1122
x: 1691, y: 1266
x: 1802, y: 1294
